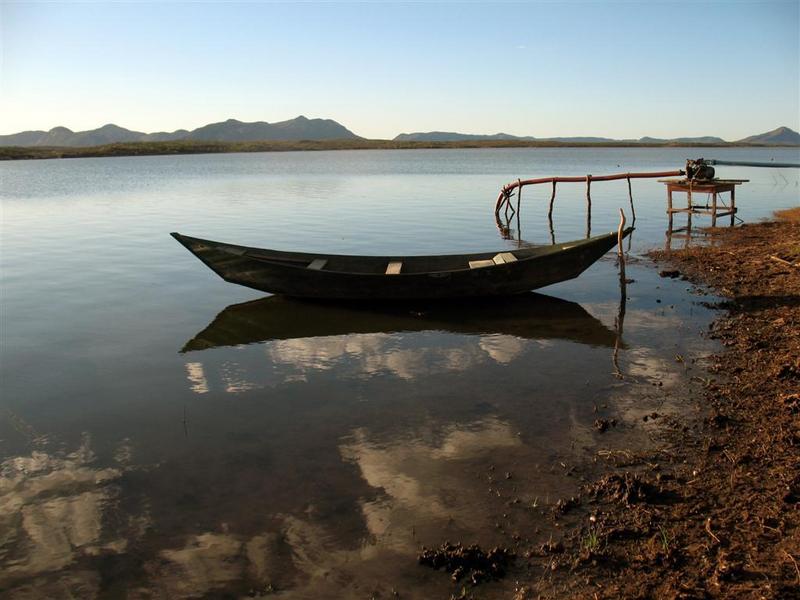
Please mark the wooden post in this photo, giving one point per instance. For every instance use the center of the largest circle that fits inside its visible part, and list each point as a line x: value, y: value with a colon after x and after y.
x: 519, y: 199
x: 623, y: 295
x: 630, y: 197
x: 588, y: 206
x: 589, y: 192
x: 689, y: 202
x: 550, y: 214
x: 733, y: 204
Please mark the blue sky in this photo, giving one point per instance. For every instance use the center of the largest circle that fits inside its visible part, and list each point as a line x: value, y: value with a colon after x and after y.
x: 617, y: 69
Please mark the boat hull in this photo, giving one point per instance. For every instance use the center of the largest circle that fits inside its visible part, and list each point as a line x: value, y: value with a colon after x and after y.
x: 287, y: 273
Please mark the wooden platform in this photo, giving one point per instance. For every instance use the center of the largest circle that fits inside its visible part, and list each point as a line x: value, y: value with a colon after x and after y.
x: 713, y: 188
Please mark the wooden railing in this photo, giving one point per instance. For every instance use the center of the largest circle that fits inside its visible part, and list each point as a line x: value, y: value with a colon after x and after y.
x: 504, y: 198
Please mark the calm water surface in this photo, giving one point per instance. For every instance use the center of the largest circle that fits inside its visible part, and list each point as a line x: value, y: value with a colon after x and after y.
x: 165, y: 434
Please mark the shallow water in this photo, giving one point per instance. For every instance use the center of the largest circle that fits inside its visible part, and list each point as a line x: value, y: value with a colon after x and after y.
x: 162, y: 435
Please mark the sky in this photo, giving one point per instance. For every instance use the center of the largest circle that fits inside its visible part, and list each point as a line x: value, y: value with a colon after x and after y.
x: 613, y: 69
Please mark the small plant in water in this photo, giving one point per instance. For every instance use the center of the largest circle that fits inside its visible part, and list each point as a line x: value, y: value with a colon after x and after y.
x: 664, y: 538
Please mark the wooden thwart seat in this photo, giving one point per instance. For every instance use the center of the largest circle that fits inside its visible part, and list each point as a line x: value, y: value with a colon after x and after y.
x: 477, y: 264
x: 394, y: 267
x: 317, y: 264
x: 503, y: 257
x: 498, y: 259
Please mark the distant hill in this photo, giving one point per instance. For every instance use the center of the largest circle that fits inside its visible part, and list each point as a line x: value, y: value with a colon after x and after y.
x: 231, y: 130
x: 706, y: 139
x: 449, y: 136
x: 579, y: 140
x: 107, y: 134
x: 781, y: 135
x: 300, y: 128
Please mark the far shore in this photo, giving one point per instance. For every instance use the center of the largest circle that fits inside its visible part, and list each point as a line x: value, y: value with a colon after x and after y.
x: 193, y: 147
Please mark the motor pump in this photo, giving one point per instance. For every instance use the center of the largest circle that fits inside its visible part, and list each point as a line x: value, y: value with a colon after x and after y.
x: 699, y: 170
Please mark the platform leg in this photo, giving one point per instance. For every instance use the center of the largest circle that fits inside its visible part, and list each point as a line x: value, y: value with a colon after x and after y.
x: 713, y: 209
x: 733, y: 204
x: 669, y: 209
x: 689, y: 208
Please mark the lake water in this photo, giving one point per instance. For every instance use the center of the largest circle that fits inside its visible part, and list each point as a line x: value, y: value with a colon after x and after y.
x: 158, y: 438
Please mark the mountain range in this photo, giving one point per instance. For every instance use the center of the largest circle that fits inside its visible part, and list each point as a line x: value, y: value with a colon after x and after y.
x: 779, y: 136
x: 302, y: 128
x: 448, y: 136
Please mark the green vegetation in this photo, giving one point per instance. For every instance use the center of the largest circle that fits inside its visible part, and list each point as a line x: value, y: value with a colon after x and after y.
x: 665, y: 539
x: 592, y: 540
x: 194, y: 147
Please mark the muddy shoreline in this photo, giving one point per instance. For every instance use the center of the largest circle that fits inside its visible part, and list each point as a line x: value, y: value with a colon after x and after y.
x: 715, y: 512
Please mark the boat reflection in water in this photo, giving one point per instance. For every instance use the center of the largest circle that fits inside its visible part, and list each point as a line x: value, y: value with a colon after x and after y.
x: 528, y: 316
x: 347, y: 436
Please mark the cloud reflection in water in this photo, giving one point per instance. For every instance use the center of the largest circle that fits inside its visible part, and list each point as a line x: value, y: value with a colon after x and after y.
x: 53, y: 511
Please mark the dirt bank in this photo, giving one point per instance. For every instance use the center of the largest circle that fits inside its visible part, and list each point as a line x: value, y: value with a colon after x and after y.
x: 718, y: 517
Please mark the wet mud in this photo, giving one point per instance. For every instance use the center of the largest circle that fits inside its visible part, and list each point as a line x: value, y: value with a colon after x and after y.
x: 471, y: 563
x: 715, y: 512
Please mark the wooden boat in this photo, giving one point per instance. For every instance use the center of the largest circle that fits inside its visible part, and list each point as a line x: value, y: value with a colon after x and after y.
x: 335, y: 276
x: 527, y: 316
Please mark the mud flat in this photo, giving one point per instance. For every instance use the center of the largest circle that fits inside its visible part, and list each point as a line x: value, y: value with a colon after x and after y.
x: 717, y: 516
